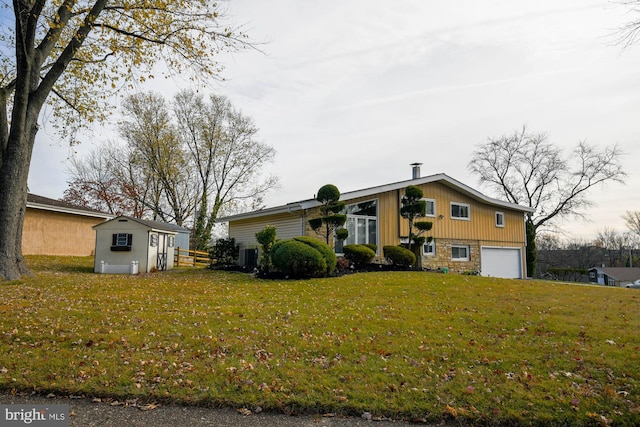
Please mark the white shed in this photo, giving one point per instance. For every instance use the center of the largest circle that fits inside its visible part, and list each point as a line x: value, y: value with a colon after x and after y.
x: 132, y: 245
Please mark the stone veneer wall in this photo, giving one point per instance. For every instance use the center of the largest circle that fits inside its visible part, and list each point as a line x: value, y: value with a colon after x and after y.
x: 442, y: 257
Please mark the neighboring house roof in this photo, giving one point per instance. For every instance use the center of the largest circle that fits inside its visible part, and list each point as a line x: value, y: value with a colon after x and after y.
x: 153, y: 225
x: 441, y: 178
x: 621, y: 274
x: 44, y: 203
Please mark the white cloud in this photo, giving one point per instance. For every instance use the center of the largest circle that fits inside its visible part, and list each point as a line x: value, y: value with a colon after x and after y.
x: 350, y: 92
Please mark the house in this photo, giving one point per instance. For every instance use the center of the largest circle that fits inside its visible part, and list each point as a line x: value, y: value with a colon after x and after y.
x: 471, y: 232
x: 54, y: 227
x: 131, y: 245
x: 614, y: 276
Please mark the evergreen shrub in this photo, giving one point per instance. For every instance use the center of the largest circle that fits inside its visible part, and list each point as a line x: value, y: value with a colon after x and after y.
x: 297, y: 260
x: 359, y: 255
x: 399, y: 256
x: 325, y: 250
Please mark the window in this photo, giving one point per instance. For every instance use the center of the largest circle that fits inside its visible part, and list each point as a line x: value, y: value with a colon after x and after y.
x: 459, y: 253
x: 431, y: 207
x: 499, y: 219
x: 362, y: 223
x: 460, y: 210
x: 121, y: 242
x: 429, y: 248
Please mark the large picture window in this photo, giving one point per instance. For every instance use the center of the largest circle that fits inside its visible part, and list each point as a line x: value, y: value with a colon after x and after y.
x: 362, y: 223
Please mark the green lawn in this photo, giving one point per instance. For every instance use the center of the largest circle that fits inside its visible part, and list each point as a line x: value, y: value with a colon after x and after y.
x: 396, y: 344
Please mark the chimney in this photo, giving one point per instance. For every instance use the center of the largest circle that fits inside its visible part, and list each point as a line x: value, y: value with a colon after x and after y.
x: 415, y: 168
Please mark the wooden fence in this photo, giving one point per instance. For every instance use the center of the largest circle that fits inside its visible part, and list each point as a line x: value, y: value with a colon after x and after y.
x: 191, y: 258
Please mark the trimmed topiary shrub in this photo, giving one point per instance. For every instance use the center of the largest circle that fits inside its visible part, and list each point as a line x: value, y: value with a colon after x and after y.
x: 266, y: 237
x: 371, y: 246
x: 324, y: 249
x: 359, y: 255
x: 297, y: 260
x: 399, y: 256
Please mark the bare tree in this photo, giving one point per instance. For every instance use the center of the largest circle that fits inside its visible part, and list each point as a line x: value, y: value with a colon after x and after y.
x: 615, y: 243
x: 629, y: 33
x: 114, y: 178
x: 161, y: 159
x: 548, y: 242
x: 183, y: 165
x: 527, y: 169
x: 226, y: 155
x: 94, y: 182
x: 83, y: 51
x: 632, y: 220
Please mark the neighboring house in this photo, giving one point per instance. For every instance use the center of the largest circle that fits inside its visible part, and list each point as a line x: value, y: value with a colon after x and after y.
x: 54, y: 227
x: 132, y: 245
x: 614, y: 276
x: 471, y: 232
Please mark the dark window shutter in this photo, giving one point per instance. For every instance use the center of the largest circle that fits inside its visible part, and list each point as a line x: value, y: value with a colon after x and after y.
x: 114, y: 239
x: 129, y: 239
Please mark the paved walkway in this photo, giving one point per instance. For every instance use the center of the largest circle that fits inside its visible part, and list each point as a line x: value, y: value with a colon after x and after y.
x: 86, y: 412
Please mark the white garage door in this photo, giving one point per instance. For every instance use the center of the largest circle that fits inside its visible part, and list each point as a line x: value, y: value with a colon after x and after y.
x: 501, y: 262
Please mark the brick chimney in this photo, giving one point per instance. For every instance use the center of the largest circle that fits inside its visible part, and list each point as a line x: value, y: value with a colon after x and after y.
x: 415, y: 170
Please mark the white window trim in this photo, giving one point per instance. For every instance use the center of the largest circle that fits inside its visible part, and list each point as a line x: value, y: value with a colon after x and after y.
x: 460, y: 246
x: 498, y: 213
x: 121, y: 239
x: 431, y: 243
x: 468, y: 218
x: 433, y: 215
x: 367, y: 218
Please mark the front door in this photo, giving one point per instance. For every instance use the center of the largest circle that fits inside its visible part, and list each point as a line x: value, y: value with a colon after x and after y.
x: 161, y: 263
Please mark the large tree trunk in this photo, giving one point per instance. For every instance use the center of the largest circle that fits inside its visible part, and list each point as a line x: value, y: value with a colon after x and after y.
x: 14, y: 172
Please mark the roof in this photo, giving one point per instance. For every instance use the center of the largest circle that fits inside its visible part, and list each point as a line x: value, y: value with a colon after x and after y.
x: 441, y: 178
x: 44, y: 203
x: 624, y: 274
x: 154, y: 225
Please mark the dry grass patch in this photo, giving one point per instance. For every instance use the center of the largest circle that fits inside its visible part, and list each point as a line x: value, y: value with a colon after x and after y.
x: 411, y: 345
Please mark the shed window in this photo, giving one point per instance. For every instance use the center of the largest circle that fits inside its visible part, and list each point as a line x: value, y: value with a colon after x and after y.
x: 121, y: 242
x: 499, y: 219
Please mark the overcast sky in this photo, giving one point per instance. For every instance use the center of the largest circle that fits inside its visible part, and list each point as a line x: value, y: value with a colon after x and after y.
x: 351, y: 92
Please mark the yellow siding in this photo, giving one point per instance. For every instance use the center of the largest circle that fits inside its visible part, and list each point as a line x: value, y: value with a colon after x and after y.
x: 55, y: 233
x: 481, y: 225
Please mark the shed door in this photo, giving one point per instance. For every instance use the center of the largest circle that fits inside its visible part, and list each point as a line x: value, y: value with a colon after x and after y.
x: 163, y: 242
x: 501, y: 262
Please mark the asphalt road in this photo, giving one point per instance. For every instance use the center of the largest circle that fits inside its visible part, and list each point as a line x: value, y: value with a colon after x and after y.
x: 86, y: 412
